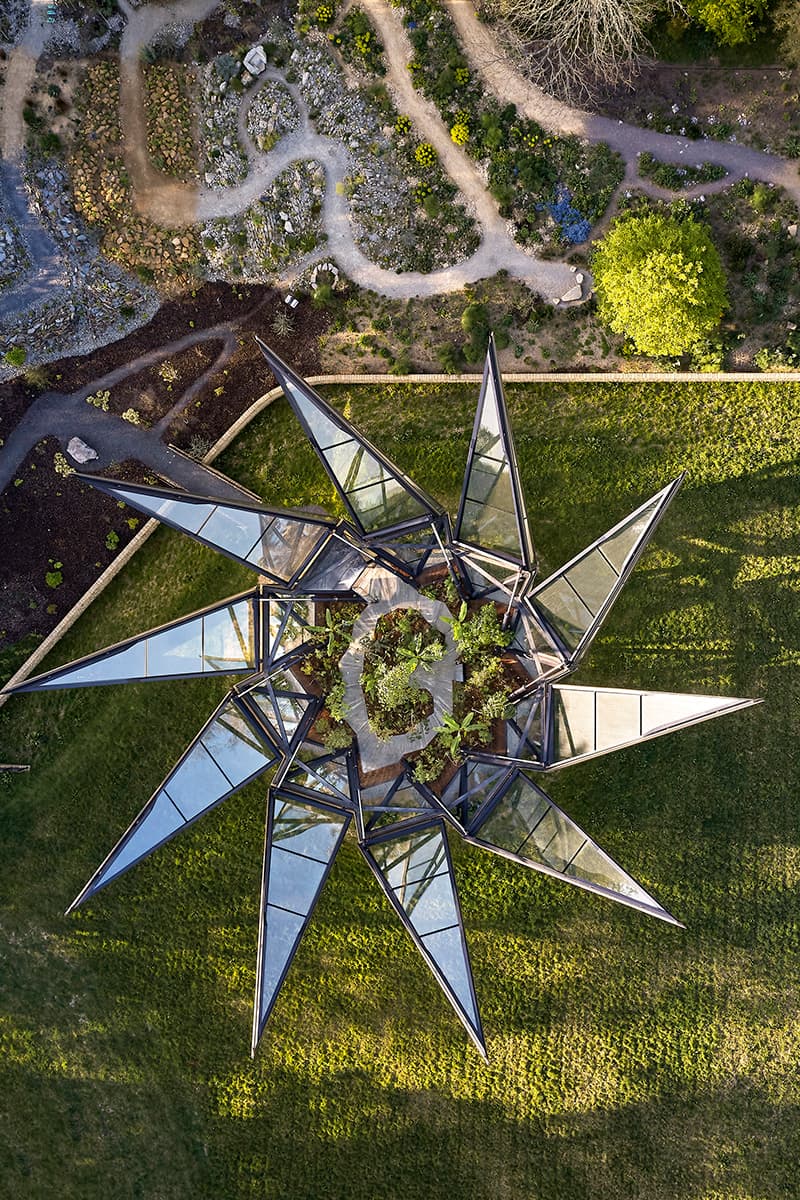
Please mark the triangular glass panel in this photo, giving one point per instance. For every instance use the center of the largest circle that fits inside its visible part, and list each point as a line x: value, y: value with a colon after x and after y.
x: 327, y: 775
x: 269, y: 541
x: 399, y: 800
x: 492, y: 511
x: 287, y: 627
x: 586, y: 722
x: 416, y: 873
x: 472, y: 786
x: 220, y: 639
x: 525, y: 824
x: 227, y: 754
x: 535, y: 648
x: 575, y: 600
x: 302, y: 841
x: 376, y: 493
x: 282, y: 710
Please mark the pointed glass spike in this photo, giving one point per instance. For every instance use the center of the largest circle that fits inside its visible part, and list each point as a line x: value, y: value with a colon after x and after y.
x: 586, y: 722
x: 524, y: 824
x: 302, y: 840
x: 376, y: 493
x: 492, y: 512
x: 575, y: 600
x: 268, y: 540
x: 416, y: 873
x: 227, y: 754
x: 220, y: 639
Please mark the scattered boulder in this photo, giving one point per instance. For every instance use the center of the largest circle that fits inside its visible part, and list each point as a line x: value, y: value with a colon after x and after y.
x: 78, y: 449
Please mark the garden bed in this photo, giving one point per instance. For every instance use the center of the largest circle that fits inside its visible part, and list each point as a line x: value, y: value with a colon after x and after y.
x: 154, y: 391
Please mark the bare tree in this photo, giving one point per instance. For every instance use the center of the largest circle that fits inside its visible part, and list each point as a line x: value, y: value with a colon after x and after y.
x: 574, y: 47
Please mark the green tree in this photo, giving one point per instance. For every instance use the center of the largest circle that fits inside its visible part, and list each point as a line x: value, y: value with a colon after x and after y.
x: 730, y: 21
x: 660, y: 282
x: 787, y: 24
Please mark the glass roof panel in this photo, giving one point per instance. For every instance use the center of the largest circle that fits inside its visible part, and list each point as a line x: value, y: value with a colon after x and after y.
x: 280, y: 936
x: 573, y: 721
x: 489, y: 527
x: 571, y: 599
x: 446, y: 948
x: 335, y: 569
x: 196, y: 782
x: 285, y: 545
x: 305, y: 830
x: 384, y: 504
x: 594, y: 866
x: 294, y: 880
x: 235, y: 529
x: 228, y: 638
x: 188, y: 514
x: 158, y: 821
x: 429, y: 903
x: 128, y: 663
x: 236, y: 747
x: 325, y: 430
x: 411, y: 857
x: 514, y: 817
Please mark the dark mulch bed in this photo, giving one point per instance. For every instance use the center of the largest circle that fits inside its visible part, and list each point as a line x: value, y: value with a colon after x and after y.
x: 246, y: 375
x: 151, y: 395
x: 48, y: 520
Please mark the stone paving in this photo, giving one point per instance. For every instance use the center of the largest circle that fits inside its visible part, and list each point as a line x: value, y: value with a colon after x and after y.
x: 384, y: 592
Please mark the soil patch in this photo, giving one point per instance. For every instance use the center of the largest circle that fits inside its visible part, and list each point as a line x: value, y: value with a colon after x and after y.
x: 58, y: 535
x: 154, y: 391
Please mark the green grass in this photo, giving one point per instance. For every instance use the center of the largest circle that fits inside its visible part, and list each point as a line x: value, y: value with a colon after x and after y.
x: 628, y: 1058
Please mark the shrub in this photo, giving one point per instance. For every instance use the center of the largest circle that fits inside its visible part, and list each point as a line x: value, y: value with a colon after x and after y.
x: 16, y: 356
x: 459, y: 133
x: 659, y: 281
x: 425, y: 155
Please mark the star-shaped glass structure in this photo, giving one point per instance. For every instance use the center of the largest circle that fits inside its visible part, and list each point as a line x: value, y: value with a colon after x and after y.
x: 397, y: 672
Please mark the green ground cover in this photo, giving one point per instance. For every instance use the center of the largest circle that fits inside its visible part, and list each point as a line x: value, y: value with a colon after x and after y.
x: 628, y: 1058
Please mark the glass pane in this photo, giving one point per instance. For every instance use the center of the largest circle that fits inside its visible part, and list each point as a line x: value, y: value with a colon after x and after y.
x: 335, y: 569
x: 325, y: 431
x: 564, y: 609
x: 669, y: 708
x: 306, y: 830
x: 234, y: 529
x: 285, y: 545
x: 491, y: 527
x: 196, y: 782
x: 158, y: 821
x: 514, y: 817
x: 281, y: 933
x: 430, y: 903
x: 228, y: 638
x: 384, y: 504
x: 413, y: 857
x: 123, y: 664
x: 293, y: 880
x: 354, y: 466
x: 447, y: 951
x: 621, y: 545
x: 593, y: 579
x: 490, y: 482
x: 524, y: 730
x: 176, y: 651
x: 234, y: 745
x: 574, y: 722
x: 618, y: 718
x: 291, y: 709
x: 188, y: 514
x: 594, y: 866
x: 555, y: 840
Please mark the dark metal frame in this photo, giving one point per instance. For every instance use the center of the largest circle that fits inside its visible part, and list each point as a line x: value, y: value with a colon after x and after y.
x: 33, y: 684
x: 573, y: 656
x: 405, y: 830
x: 527, y: 560
x: 276, y: 794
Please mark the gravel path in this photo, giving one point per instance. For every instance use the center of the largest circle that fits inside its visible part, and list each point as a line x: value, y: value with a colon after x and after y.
x: 501, y: 77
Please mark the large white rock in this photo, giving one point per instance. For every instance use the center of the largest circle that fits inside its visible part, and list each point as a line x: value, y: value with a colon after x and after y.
x: 255, y: 60
x: 77, y: 449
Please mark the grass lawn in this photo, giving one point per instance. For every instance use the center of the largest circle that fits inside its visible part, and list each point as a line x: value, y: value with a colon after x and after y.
x: 629, y: 1060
